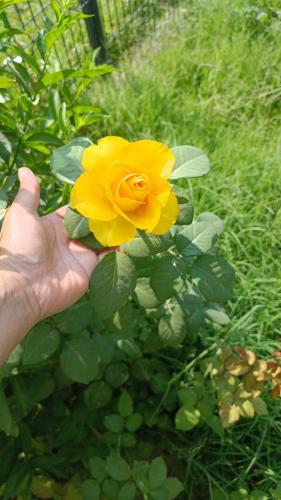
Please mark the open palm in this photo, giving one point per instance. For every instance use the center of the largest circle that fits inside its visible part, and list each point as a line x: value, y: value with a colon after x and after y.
x: 54, y: 269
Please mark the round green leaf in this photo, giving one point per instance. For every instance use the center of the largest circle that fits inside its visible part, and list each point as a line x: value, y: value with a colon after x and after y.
x: 215, y: 278
x: 75, y: 319
x: 117, y: 468
x: 125, y: 404
x: 40, y: 344
x: 166, y: 278
x: 90, y: 490
x: 145, y: 294
x: 157, y: 472
x: 190, y: 162
x: 113, y: 281
x: 172, y: 328
x: 114, y: 423
x: 134, y: 422
x: 97, y: 468
x: 117, y: 374
x: 97, y: 395
x: 76, y: 225
x: 173, y: 487
x: 110, y: 489
x: 197, y: 238
x: 187, y: 418
x: 144, y: 245
x: 79, y: 360
x: 66, y: 160
x: 128, y: 491
x: 215, y: 313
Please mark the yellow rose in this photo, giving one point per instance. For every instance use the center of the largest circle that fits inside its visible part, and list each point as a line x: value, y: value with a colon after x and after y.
x: 125, y: 188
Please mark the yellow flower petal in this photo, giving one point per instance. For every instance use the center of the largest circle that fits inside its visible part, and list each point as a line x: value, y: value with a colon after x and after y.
x: 152, y: 155
x: 97, y: 157
x: 88, y: 198
x: 168, y: 216
x: 147, y: 216
x: 93, y: 161
x: 111, y: 147
x: 113, y: 233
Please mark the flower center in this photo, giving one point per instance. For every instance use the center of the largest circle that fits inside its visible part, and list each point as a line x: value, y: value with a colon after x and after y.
x: 135, y: 187
x: 139, y: 182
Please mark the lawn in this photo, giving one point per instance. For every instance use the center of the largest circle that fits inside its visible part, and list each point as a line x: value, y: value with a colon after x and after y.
x: 211, y: 77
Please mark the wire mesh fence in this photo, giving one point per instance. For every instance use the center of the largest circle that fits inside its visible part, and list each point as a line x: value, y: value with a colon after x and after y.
x: 114, y: 26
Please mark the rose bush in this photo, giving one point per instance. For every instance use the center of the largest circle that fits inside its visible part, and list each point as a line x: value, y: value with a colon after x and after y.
x: 125, y: 188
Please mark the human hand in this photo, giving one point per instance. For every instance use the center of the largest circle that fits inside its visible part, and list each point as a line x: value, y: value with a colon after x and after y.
x: 52, y: 271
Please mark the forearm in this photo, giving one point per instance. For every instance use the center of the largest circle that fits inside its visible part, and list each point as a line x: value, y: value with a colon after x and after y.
x: 16, y: 311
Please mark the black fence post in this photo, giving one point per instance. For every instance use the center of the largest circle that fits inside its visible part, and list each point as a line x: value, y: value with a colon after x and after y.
x: 95, y: 28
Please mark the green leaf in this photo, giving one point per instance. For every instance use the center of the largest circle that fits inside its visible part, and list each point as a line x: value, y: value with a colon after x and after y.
x: 65, y: 74
x: 79, y: 360
x: 157, y: 472
x: 9, y: 32
x: 166, y: 278
x: 75, y: 319
x: 130, y: 348
x: 185, y: 214
x: 113, y: 281
x: 215, y: 278
x: 5, y: 81
x: 190, y: 162
x: 215, y: 313
x: 172, y: 328
x: 117, y: 468
x: 97, y: 395
x: 117, y: 374
x: 91, y: 242
x: 7, y: 3
x: 66, y: 160
x: 260, y: 406
x: 134, y: 422
x: 22, y: 76
x: 43, y: 138
x: 172, y: 487
x: 114, y: 423
x: 55, y: 33
x: 110, y: 489
x: 105, y: 345
x: 140, y: 473
x: 198, y: 238
x: 128, y: 491
x: 125, y: 404
x: 40, y: 344
x: 5, y: 147
x: 187, y: 397
x: 187, y: 418
x: 145, y: 294
x: 97, y: 468
x: 90, y: 490
x: 27, y: 58
x: 145, y: 245
x: 6, y: 421
x: 76, y: 225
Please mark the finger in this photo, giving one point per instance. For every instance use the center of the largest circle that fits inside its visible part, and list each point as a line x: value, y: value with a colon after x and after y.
x: 61, y: 211
x: 86, y: 257
x: 28, y: 196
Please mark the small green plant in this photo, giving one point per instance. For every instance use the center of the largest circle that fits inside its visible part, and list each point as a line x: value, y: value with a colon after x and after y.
x: 116, y: 397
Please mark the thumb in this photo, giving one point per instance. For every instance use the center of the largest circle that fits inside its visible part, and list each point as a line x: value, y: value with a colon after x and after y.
x: 28, y: 196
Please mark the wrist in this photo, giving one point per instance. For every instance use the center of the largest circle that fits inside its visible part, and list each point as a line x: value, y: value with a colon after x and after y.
x: 18, y: 308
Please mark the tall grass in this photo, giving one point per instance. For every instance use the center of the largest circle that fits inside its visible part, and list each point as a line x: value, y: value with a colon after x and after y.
x: 212, y: 78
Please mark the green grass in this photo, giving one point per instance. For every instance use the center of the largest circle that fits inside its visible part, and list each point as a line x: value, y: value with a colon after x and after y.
x: 211, y: 78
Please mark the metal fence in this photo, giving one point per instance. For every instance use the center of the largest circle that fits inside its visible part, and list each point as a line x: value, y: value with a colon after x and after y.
x: 114, y: 26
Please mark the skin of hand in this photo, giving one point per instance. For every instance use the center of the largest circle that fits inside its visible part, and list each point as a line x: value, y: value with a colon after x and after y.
x: 42, y: 272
